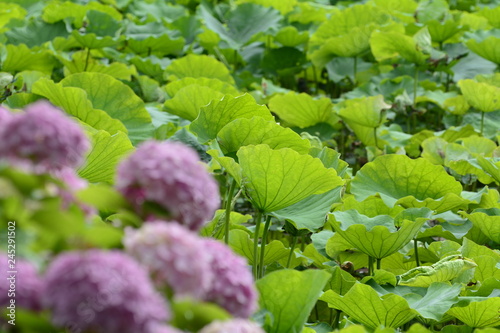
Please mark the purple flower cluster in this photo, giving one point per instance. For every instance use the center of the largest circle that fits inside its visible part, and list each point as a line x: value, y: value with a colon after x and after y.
x: 171, y: 176
x: 233, y: 287
x: 194, y: 266
x: 27, y: 284
x: 42, y: 139
x: 174, y: 256
x: 232, y: 326
x: 101, y: 291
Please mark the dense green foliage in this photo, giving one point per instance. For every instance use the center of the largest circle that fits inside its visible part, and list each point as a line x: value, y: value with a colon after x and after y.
x: 356, y: 144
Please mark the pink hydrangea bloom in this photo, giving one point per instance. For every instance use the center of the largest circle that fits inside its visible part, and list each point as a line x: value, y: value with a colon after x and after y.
x: 26, y: 283
x: 174, y: 255
x: 42, y: 139
x: 170, y: 175
x: 5, y: 116
x: 232, y: 326
x: 163, y: 329
x: 233, y: 286
x: 100, y: 291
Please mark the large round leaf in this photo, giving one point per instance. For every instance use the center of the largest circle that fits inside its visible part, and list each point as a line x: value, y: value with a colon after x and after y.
x: 116, y: 99
x: 482, y: 96
x: 363, y: 304
x: 242, y: 23
x: 257, y: 130
x: 377, y: 236
x: 290, y: 295
x: 301, y: 110
x: 275, y: 179
x: 75, y: 102
x: 194, y: 65
x: 213, y: 117
x: 489, y: 48
x: 411, y: 182
x: 364, y: 111
x: 188, y: 100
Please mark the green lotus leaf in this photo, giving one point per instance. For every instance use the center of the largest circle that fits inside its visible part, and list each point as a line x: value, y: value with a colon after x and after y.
x: 228, y: 163
x: 194, y: 65
x: 102, y: 24
x: 364, y: 111
x: 344, y: 21
x: 160, y: 45
x: 218, y: 113
x: 403, y: 10
x: 489, y: 48
x: 284, y: 6
x: 107, y: 150
x: 307, y: 12
x: 452, y: 134
x: 283, y: 61
x: 492, y: 14
x: 341, y: 281
x: 241, y: 243
x: 488, y: 221
x: 377, y: 237
x: 57, y: 11
x: 446, y: 225
x: 486, y: 268
x: 330, y: 159
x: 371, y: 206
x: 411, y: 182
x: 301, y: 110
x: 11, y: 11
x: 242, y: 23
x: 442, y: 31
x: 351, y: 45
x: 75, y: 102
x: 443, y: 249
x: 430, y: 10
x: 227, y: 89
x: 439, y: 298
x: 200, y: 314
x: 35, y: 32
x: 310, y: 213
x: 491, y: 166
x: 433, y: 150
x: 460, y: 157
x: 491, y: 79
x: 79, y: 63
x: 482, y: 96
x: 456, y: 105
x: 390, y: 45
x: 188, y: 101
x: 215, y: 228
x: 93, y: 41
x: 21, y: 58
x: 483, y: 313
x: 363, y: 304
x: 151, y: 66
x: 290, y: 36
x: 289, y: 296
x: 257, y: 130
x: 437, y: 97
x: 116, y: 99
x: 275, y: 179
x: 472, y: 250
x: 158, y: 9
x: 447, y: 269
x: 341, y: 250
